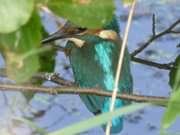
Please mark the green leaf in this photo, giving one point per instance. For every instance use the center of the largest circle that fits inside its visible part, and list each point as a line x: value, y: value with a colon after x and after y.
x: 46, y: 65
x: 20, y: 50
x: 173, y: 109
x: 85, y: 13
x: 14, y: 14
x: 41, y: 1
x: 173, y: 74
x: 47, y: 59
x: 97, y: 120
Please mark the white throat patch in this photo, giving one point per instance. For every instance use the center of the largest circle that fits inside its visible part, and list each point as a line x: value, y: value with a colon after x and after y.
x: 108, y: 34
x: 78, y: 42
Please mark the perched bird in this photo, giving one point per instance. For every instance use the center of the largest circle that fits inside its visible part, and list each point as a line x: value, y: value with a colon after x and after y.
x: 94, y: 64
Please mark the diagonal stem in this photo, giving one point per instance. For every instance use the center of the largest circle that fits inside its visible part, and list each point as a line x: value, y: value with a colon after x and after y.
x: 119, y: 67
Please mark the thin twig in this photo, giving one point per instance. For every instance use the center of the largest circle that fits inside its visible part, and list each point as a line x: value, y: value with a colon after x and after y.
x: 175, y: 32
x: 157, y: 100
x: 120, y: 61
x: 54, y: 77
x: 154, y: 25
x: 167, y: 66
x: 153, y: 38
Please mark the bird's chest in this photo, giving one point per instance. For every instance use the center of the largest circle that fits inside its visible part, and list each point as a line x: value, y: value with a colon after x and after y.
x: 93, y: 66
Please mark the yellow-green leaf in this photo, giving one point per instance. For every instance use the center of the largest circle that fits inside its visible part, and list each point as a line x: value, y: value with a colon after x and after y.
x: 173, y: 109
x: 14, y: 14
x: 19, y: 49
x: 174, y: 74
x: 85, y: 13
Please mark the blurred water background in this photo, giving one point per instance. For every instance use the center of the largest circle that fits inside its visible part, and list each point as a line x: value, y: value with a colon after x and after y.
x: 64, y: 110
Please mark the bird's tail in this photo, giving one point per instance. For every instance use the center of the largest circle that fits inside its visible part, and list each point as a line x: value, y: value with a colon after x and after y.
x: 97, y: 104
x: 117, y: 123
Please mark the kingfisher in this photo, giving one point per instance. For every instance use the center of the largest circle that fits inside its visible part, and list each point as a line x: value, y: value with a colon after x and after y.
x: 93, y: 55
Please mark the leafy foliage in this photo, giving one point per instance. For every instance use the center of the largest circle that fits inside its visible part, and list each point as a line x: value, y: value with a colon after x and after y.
x: 173, y: 109
x: 47, y: 62
x: 174, y: 74
x: 14, y: 14
x: 85, y: 13
x: 20, y: 46
x: 19, y: 50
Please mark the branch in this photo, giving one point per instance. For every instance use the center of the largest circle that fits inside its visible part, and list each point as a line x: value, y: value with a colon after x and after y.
x: 175, y: 32
x: 162, y: 101
x: 54, y: 77
x: 152, y: 38
x: 167, y: 66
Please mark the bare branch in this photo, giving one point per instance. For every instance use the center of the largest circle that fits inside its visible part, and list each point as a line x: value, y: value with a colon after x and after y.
x: 162, y: 101
x: 175, y: 32
x: 153, y: 38
x: 54, y: 77
x: 167, y: 66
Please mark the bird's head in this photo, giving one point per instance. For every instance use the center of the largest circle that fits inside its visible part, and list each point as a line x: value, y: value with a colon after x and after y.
x: 73, y: 32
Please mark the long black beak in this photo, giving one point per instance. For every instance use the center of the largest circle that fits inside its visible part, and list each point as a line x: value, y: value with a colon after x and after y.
x: 67, y: 31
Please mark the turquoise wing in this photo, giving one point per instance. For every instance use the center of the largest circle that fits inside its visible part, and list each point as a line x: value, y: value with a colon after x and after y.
x: 94, y: 66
